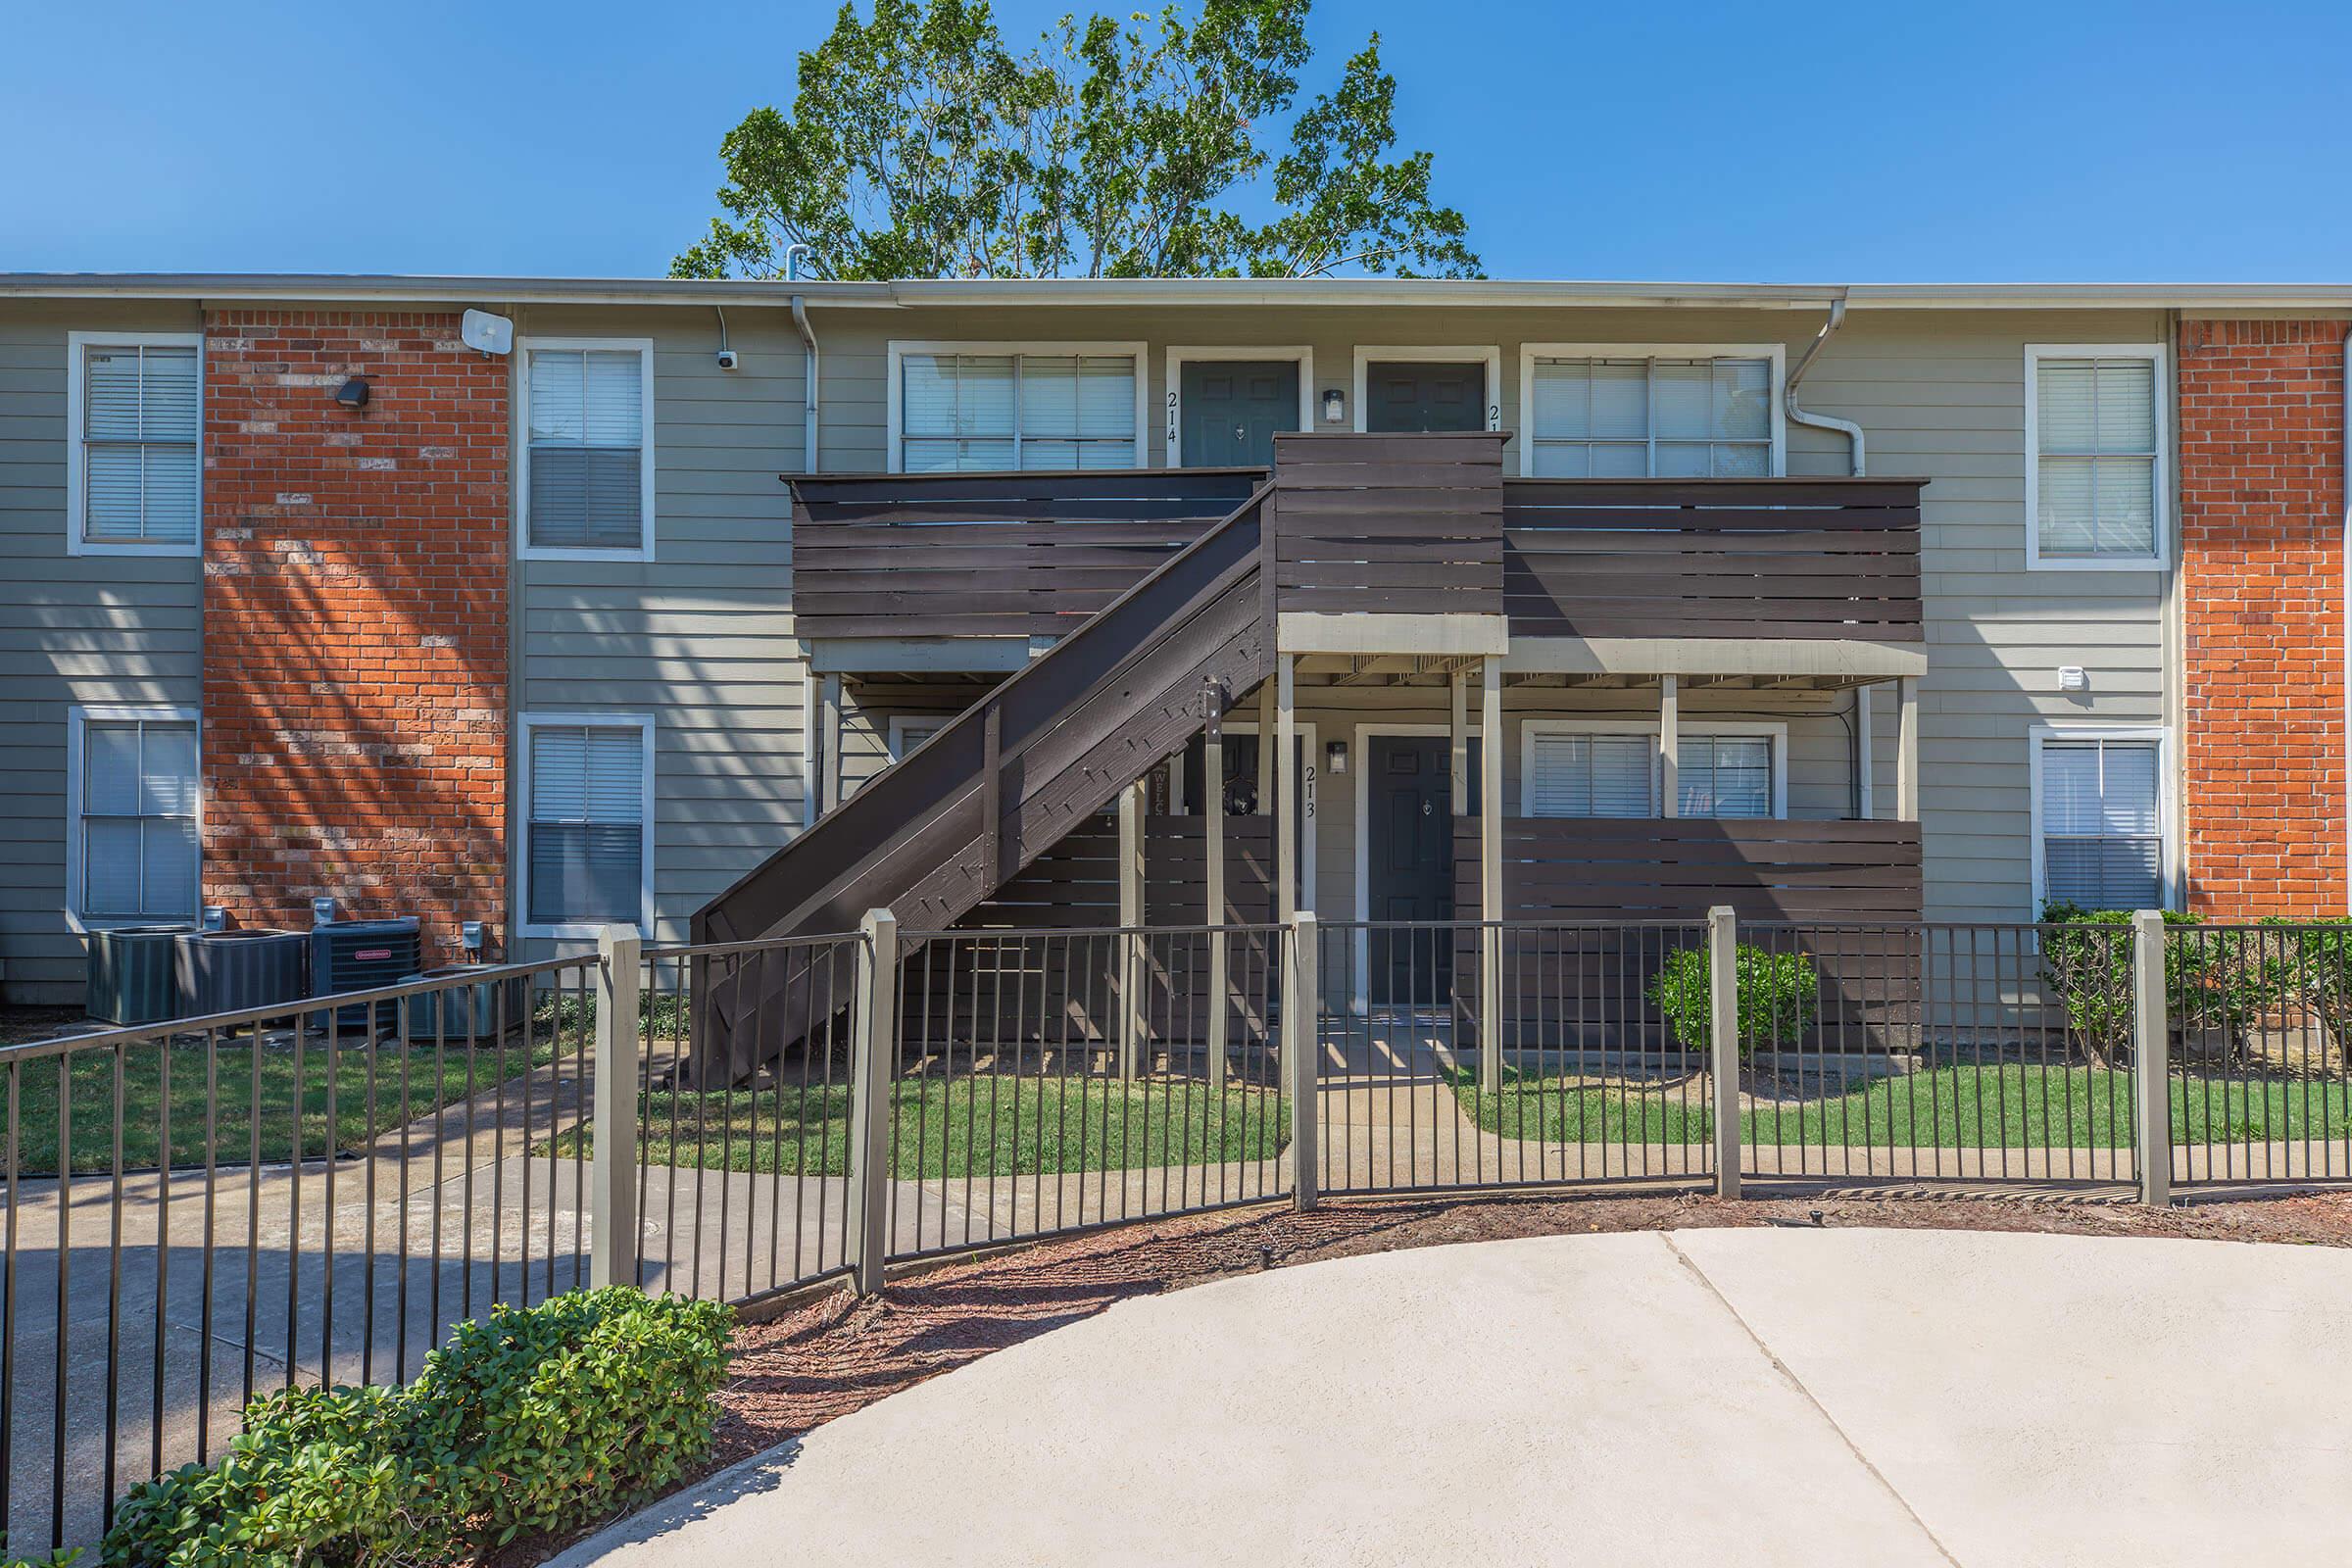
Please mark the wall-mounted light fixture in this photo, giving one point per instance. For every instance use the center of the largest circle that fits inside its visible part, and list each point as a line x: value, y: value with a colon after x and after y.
x: 352, y: 394
x: 1334, y: 757
x: 1335, y: 406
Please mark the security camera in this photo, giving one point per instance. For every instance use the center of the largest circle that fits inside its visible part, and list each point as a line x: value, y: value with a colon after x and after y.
x: 727, y: 359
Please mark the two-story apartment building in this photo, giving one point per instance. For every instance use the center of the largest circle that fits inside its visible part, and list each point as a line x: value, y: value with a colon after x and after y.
x: 1866, y: 600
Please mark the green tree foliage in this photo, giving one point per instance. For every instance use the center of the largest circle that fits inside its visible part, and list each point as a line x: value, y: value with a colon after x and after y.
x: 919, y: 145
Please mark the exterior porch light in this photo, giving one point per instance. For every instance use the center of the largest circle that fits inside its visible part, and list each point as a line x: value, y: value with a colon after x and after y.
x: 1335, y: 757
x: 1335, y: 406
x: 352, y: 394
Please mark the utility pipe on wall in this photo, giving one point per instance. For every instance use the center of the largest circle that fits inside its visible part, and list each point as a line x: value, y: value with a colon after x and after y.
x: 809, y: 361
x: 2345, y: 565
x: 1823, y: 421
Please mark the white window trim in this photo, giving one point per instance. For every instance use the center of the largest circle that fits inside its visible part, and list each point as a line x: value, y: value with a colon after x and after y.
x: 1488, y: 355
x: 524, y: 550
x: 78, y: 718
x: 522, y: 859
x: 900, y: 723
x: 895, y: 392
x: 2041, y: 734
x: 1692, y: 726
x: 1172, y: 384
x: 2156, y: 355
x: 1777, y: 353
x: 77, y: 497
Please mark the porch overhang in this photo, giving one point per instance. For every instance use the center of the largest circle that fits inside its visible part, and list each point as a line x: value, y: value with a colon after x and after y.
x: 1846, y: 659
x: 1377, y: 632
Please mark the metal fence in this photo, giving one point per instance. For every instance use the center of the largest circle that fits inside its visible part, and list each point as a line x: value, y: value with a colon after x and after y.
x: 202, y: 1212
x: 205, y: 1211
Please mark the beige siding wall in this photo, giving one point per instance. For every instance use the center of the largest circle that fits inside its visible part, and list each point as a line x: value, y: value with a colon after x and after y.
x: 700, y: 636
x: 73, y: 629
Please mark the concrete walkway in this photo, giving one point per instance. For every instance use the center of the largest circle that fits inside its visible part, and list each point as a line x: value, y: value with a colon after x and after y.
x: 1751, y: 1396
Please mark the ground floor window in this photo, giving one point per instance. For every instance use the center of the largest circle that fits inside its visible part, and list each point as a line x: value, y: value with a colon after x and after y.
x: 588, y: 780
x: 1613, y: 768
x: 2099, y: 808
x: 135, y: 850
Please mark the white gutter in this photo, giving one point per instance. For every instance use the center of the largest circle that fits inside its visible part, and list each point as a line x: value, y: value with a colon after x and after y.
x: 1823, y: 421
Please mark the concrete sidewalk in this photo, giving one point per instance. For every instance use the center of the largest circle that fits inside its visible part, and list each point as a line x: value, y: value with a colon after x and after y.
x: 1766, y: 1396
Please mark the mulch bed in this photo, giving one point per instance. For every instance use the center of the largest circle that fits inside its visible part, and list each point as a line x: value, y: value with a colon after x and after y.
x: 835, y: 1353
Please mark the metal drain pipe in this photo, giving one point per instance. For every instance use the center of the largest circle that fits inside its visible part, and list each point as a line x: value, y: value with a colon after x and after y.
x: 1823, y: 421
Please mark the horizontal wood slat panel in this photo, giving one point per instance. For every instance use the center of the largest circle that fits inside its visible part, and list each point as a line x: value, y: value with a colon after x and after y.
x: 1395, y: 524
x: 1712, y: 557
x: 1622, y: 868
x: 957, y: 554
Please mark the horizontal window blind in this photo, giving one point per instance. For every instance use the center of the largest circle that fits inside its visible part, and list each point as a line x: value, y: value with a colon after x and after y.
x: 1017, y: 411
x: 2102, y: 839
x: 1724, y: 775
x: 587, y: 448
x: 1630, y: 419
x: 587, y: 823
x: 1591, y: 775
x: 2095, y: 467
x: 140, y: 471
x: 141, y: 858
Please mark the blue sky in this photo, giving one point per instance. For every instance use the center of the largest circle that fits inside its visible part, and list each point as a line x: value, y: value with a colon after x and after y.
x: 1828, y: 142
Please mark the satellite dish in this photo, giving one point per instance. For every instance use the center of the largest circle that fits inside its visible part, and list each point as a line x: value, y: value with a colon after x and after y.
x: 492, y: 335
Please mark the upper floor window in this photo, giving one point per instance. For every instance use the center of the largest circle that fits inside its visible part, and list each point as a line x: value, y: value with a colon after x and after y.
x: 134, y: 407
x: 588, y: 459
x: 132, y: 841
x: 2095, y: 433
x: 987, y: 407
x: 1602, y: 414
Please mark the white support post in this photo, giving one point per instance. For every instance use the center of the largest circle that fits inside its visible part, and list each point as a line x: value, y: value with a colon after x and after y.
x: 873, y: 1048
x: 1906, y: 768
x: 1132, y: 802
x: 1286, y: 795
x: 1459, y: 775
x: 1670, y: 747
x: 1866, y: 749
x: 1490, y: 878
x: 1303, y: 1049
x: 613, y: 1125
x: 1723, y: 1044
x: 1212, y: 841
x: 2151, y: 1067
x: 828, y: 743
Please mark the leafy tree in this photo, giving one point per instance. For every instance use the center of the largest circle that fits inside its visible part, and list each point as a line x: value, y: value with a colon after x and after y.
x: 919, y: 145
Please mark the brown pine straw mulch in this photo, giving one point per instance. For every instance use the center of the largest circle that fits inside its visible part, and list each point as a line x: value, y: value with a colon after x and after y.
x: 834, y: 1354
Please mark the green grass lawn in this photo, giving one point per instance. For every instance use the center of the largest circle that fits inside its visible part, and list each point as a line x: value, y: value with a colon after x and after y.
x: 975, y: 1127
x: 429, y: 1084
x: 2008, y: 1106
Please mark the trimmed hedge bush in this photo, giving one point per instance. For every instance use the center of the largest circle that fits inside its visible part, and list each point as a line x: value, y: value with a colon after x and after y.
x: 1780, y: 995
x: 528, y: 1421
x: 2214, y: 984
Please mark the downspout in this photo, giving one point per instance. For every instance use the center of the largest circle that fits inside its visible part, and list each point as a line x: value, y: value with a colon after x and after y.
x: 1823, y: 421
x: 793, y: 257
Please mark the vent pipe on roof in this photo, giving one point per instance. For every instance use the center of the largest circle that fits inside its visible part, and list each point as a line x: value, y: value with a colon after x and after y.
x: 1823, y: 421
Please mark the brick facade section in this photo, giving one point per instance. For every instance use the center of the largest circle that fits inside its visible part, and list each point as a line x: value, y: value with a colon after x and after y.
x: 2262, y: 412
x: 354, y: 620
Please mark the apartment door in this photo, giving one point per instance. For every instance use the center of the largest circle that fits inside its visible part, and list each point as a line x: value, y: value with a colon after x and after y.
x: 1409, y: 863
x: 1232, y: 409
x: 1414, y: 396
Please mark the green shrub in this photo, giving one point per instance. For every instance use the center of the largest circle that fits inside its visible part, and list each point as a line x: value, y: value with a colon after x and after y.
x: 544, y: 1419
x: 1779, y: 997
x: 532, y: 1420
x: 2210, y: 985
x: 63, y: 1557
x: 2308, y: 964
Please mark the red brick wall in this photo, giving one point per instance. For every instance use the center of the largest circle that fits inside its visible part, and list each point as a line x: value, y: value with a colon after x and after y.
x: 354, y: 620
x: 2261, y: 409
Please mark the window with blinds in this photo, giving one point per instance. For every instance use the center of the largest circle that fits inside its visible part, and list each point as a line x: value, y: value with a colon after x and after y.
x: 139, y: 473
x: 1017, y: 411
x: 1590, y: 775
x: 587, y: 823
x: 587, y: 457
x: 138, y: 820
x: 2097, y: 470
x: 2102, y: 833
x: 1640, y: 417
x: 1724, y: 775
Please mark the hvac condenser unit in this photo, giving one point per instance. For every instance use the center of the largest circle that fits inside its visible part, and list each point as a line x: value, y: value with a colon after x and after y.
x: 129, y: 979
x: 358, y: 956
x: 234, y: 971
x: 477, y: 1011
